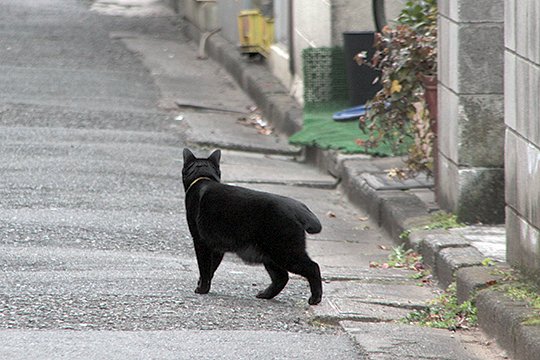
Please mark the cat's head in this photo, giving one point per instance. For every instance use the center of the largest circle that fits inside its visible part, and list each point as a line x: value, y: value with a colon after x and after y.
x: 195, y: 168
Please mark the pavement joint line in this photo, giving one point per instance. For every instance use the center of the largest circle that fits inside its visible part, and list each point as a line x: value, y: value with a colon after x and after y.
x: 335, y: 320
x: 201, y: 108
x: 393, y: 210
x: 311, y: 185
x: 366, y: 281
x: 396, y: 305
x: 330, y: 279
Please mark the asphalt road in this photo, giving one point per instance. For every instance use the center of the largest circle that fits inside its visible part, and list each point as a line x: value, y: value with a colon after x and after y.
x: 95, y: 257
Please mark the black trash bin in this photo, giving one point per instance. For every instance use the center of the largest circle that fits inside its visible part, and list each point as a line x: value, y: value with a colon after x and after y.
x: 359, y: 78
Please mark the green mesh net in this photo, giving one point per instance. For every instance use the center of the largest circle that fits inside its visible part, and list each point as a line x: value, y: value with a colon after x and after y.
x: 324, y: 75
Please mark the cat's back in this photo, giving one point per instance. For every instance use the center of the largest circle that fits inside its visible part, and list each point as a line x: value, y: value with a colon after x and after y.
x: 236, y: 204
x: 218, y: 194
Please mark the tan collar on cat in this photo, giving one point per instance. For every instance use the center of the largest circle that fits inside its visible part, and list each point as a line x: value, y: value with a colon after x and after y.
x: 196, y: 181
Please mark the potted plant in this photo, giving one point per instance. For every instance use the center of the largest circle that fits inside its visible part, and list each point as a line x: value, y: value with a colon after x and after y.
x: 406, y: 56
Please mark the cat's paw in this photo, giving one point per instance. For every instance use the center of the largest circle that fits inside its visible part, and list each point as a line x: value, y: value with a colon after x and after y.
x: 265, y: 295
x: 202, y: 289
x: 314, y: 300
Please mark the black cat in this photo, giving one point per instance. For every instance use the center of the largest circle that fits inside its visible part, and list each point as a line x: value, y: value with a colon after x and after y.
x: 258, y: 226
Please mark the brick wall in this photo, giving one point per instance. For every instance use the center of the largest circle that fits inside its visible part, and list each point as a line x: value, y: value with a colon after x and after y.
x: 522, y: 118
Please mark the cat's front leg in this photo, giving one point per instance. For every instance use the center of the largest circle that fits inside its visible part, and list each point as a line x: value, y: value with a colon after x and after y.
x: 204, y: 261
x: 203, y: 287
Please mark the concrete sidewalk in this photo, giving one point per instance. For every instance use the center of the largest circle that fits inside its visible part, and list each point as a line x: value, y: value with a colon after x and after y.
x: 454, y: 255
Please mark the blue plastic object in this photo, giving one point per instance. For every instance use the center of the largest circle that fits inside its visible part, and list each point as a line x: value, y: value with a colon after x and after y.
x: 350, y: 114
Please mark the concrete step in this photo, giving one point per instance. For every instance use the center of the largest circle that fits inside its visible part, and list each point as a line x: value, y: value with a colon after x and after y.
x: 252, y: 168
x: 224, y: 131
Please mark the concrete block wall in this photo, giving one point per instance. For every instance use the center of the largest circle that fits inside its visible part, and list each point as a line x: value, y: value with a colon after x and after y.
x: 471, y: 109
x: 522, y: 118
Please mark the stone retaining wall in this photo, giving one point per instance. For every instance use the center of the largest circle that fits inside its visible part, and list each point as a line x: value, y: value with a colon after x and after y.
x: 522, y: 117
x: 471, y: 115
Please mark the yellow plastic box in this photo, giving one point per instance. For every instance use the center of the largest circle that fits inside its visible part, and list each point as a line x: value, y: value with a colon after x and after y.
x: 256, y: 32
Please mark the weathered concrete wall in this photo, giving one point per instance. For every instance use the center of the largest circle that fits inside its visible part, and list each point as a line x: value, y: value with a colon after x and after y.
x: 350, y: 15
x: 522, y: 118
x: 202, y: 14
x: 228, y: 17
x: 471, y: 112
x: 312, y: 27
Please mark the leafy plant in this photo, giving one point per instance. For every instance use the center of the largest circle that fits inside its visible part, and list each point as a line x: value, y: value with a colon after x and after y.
x: 403, y: 55
x: 443, y: 220
x: 488, y: 262
x: 401, y: 258
x: 446, y: 313
x: 532, y: 321
x: 439, y: 220
x: 518, y: 287
x: 419, y: 14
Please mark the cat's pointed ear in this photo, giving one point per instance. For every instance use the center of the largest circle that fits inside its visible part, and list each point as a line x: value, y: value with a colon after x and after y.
x: 215, y: 157
x: 188, y: 156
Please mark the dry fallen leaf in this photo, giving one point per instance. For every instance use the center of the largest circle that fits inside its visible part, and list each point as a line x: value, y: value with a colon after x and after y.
x: 256, y: 120
x: 396, y: 87
x: 383, y: 247
x: 265, y: 131
x: 363, y: 218
x: 330, y: 214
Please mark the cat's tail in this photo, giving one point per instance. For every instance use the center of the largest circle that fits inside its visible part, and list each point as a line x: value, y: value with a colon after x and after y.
x: 311, y: 223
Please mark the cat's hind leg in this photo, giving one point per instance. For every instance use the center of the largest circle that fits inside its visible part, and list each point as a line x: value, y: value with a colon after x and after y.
x: 304, y: 266
x: 279, y: 277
